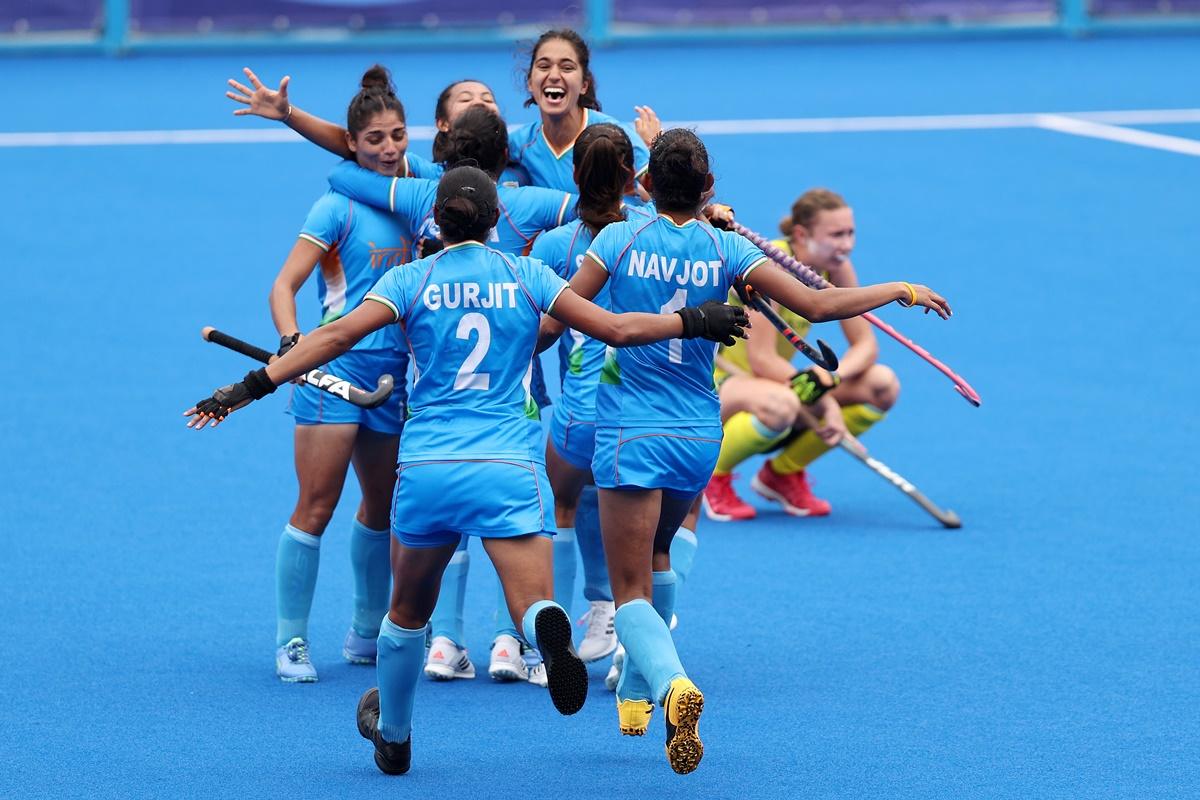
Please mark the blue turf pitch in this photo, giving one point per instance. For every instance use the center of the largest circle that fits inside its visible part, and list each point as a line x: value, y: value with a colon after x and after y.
x: 1048, y: 649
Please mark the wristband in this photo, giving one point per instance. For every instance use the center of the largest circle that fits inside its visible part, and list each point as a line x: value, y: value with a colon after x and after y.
x: 912, y: 295
x: 258, y: 384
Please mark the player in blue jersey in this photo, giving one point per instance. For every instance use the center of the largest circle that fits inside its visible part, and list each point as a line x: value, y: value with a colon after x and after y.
x: 604, y: 172
x: 561, y: 84
x: 478, y: 135
x: 469, y: 315
x: 353, y: 245
x: 658, y: 428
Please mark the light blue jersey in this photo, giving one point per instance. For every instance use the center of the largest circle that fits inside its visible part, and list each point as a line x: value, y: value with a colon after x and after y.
x: 360, y: 244
x: 527, y: 146
x: 525, y: 211
x: 563, y: 249
x: 419, y: 167
x: 470, y: 317
x: 655, y: 265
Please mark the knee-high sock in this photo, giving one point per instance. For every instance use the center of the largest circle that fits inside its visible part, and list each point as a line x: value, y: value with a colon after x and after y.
x: 503, y: 619
x: 648, y: 645
x: 564, y: 567
x: 745, y: 436
x: 808, y: 447
x: 633, y: 685
x: 370, y: 557
x: 447, y: 619
x: 296, y: 563
x: 398, y: 668
x: 527, y: 622
x: 683, y: 553
x: 591, y: 546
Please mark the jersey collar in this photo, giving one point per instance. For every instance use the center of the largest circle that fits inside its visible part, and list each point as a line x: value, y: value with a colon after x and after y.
x: 568, y: 148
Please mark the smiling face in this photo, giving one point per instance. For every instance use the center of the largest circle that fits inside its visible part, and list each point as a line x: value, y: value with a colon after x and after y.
x: 556, y: 78
x: 831, y: 238
x: 460, y: 97
x: 381, y: 144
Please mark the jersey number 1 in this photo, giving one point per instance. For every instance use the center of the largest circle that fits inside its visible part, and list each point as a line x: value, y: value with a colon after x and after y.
x: 467, y: 377
x: 675, y: 346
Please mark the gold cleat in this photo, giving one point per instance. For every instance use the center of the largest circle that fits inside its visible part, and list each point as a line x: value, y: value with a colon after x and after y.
x: 634, y: 716
x: 683, y: 705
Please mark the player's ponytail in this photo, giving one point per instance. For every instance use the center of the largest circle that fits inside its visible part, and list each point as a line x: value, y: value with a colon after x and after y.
x: 678, y: 170
x: 603, y: 160
x: 377, y: 94
x: 478, y: 135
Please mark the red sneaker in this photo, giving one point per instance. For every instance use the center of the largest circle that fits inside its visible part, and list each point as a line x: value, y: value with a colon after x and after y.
x: 721, y: 502
x: 790, y: 491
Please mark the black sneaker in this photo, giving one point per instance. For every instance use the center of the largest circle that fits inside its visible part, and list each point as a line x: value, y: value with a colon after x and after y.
x: 391, y: 758
x: 565, y: 672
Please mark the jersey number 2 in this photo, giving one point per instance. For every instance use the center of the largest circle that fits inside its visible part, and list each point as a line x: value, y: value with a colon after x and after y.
x: 467, y: 377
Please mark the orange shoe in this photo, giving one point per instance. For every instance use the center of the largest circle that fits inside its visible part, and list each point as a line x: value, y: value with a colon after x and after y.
x: 790, y: 491
x: 721, y: 502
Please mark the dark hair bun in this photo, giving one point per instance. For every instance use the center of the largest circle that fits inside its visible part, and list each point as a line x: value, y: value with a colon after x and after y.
x: 378, y: 79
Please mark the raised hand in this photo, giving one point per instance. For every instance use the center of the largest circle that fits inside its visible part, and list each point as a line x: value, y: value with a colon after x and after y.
x: 647, y: 124
x: 262, y: 101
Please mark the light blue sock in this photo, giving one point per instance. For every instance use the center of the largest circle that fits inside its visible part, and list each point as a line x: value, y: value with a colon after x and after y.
x: 527, y: 622
x: 296, y: 563
x: 683, y: 553
x: 632, y: 685
x: 648, y: 645
x: 503, y: 620
x: 564, y: 567
x: 447, y: 619
x: 591, y: 546
x: 370, y: 556
x: 398, y: 667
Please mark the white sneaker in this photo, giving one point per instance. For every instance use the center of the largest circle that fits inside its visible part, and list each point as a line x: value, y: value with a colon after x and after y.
x: 614, y: 672
x: 506, y: 663
x: 600, y: 639
x: 292, y: 664
x: 535, y: 668
x: 447, y: 661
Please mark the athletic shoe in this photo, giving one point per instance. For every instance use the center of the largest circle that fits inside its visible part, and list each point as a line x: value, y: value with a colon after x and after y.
x: 683, y: 706
x: 790, y: 491
x: 358, y: 649
x: 566, y: 674
x: 614, y: 672
x: 292, y: 664
x: 447, y: 661
x: 392, y: 758
x: 535, y: 667
x: 721, y: 502
x: 600, y: 639
x: 506, y: 663
x: 634, y: 716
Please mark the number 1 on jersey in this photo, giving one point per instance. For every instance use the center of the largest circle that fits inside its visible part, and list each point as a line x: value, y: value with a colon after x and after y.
x: 467, y: 377
x: 675, y: 346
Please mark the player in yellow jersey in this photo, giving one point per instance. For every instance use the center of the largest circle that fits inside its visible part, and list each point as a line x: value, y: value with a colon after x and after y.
x: 761, y: 390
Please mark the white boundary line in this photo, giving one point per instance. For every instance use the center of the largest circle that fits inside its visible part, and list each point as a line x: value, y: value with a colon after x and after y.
x: 1098, y: 124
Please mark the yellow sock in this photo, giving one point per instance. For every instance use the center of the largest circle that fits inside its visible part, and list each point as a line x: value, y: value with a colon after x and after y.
x: 808, y: 447
x: 745, y: 436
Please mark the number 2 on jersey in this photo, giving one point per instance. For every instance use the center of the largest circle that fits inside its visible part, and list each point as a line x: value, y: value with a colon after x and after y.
x: 675, y: 346
x: 467, y: 377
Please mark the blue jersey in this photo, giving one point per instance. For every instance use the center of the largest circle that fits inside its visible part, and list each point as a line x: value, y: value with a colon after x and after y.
x: 655, y: 265
x: 470, y: 316
x: 360, y: 244
x: 563, y: 249
x: 424, y: 168
x: 525, y: 211
x: 527, y: 146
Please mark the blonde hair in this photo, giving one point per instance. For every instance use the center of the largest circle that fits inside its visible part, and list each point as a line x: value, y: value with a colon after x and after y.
x: 806, y: 208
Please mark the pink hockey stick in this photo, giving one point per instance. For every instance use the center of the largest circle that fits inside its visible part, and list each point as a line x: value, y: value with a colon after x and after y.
x: 806, y: 275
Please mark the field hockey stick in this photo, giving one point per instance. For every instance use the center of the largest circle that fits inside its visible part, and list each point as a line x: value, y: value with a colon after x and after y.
x: 808, y: 276
x: 315, y: 377
x: 825, y: 359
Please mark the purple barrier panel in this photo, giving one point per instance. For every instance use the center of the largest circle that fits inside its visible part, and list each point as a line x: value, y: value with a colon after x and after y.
x: 764, y: 12
x: 1144, y: 8
x: 47, y: 16
x: 189, y: 16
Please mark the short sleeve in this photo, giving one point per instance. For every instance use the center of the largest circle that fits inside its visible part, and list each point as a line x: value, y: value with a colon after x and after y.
x: 548, y: 249
x: 742, y: 256
x: 389, y: 290
x: 549, y: 208
x: 604, y: 247
x: 543, y: 283
x: 412, y: 198
x: 325, y: 221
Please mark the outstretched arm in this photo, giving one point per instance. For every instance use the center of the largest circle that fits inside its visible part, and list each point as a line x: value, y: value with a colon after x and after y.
x: 831, y: 304
x: 268, y: 103
x: 587, y: 283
